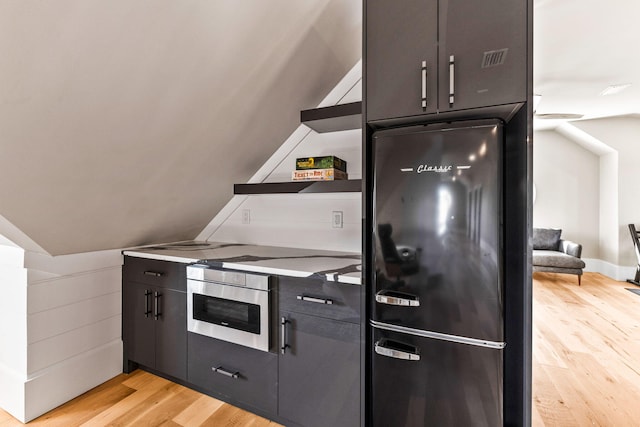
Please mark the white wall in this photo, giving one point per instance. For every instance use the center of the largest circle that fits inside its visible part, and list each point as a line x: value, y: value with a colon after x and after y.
x: 567, y: 179
x: 609, y: 212
x: 301, y: 220
x: 614, y: 141
x: 119, y: 116
x: 622, y: 134
x: 13, y: 330
x: 60, y: 318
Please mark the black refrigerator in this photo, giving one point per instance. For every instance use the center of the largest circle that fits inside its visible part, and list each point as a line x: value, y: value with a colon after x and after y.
x: 437, y: 307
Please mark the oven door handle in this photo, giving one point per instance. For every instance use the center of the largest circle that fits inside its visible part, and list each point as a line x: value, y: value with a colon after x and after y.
x: 283, y: 334
x: 226, y: 373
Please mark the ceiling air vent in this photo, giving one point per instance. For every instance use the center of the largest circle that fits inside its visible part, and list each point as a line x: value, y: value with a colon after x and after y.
x: 494, y: 57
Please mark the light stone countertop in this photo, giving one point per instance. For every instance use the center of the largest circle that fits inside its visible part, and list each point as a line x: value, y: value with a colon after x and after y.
x: 343, y: 267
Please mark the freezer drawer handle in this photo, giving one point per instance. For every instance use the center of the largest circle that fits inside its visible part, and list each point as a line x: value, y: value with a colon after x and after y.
x: 382, y: 350
x: 397, y: 298
x: 221, y: 370
x: 313, y: 299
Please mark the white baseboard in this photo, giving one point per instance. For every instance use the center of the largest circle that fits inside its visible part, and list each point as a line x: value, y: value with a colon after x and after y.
x: 12, y: 392
x: 616, y: 272
x: 69, y: 379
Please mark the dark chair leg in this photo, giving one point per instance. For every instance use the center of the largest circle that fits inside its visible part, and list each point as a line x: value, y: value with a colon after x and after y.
x: 579, y: 279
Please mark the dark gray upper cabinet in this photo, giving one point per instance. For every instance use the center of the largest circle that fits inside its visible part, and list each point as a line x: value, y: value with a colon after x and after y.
x: 399, y: 37
x: 430, y: 56
x: 154, y: 318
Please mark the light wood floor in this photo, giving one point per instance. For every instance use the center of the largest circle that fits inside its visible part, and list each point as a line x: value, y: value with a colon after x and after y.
x: 586, y: 352
x: 586, y: 370
x: 143, y: 399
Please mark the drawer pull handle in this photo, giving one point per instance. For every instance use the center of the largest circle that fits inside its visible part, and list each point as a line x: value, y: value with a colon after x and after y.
x: 221, y: 370
x: 316, y: 300
x: 153, y: 273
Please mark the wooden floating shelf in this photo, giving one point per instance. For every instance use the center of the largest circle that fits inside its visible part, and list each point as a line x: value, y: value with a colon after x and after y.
x: 338, y: 186
x: 334, y: 118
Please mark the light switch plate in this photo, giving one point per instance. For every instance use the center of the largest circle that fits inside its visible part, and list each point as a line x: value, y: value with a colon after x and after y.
x: 336, y: 219
x: 246, y: 216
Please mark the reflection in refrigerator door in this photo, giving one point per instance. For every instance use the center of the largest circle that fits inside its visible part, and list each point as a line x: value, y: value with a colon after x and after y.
x: 437, y: 228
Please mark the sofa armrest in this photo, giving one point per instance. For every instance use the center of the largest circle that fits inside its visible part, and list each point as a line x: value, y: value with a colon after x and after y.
x: 571, y: 248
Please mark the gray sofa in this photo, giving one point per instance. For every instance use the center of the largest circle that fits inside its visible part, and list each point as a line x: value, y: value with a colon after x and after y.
x: 554, y: 255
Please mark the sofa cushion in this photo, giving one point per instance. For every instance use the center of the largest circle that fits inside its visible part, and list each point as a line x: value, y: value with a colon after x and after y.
x: 546, y: 238
x: 555, y: 259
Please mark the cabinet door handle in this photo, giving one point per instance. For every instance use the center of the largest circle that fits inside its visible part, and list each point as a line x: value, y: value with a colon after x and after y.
x: 156, y: 305
x: 424, y: 85
x: 153, y: 273
x: 452, y: 79
x: 226, y: 373
x: 283, y: 335
x: 397, y: 298
x: 382, y: 349
x: 316, y: 300
x: 147, y: 304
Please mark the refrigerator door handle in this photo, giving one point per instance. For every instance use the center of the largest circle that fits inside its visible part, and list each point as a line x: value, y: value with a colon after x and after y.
x: 381, y: 347
x: 397, y: 298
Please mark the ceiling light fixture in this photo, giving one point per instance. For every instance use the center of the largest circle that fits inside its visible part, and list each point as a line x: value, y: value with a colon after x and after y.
x: 559, y: 116
x: 613, y: 89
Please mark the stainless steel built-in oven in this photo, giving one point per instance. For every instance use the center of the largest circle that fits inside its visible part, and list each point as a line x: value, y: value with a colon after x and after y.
x: 229, y: 305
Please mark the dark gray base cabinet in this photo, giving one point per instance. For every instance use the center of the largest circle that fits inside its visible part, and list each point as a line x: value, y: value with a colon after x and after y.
x: 154, y: 316
x: 319, y: 379
x: 314, y: 383
x: 320, y: 372
x: 151, y: 342
x: 237, y: 374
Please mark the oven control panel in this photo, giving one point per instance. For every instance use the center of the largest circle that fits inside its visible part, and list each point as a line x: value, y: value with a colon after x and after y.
x: 204, y: 273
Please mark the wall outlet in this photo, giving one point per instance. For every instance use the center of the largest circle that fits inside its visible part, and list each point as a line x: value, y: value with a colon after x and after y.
x: 246, y: 216
x: 336, y: 219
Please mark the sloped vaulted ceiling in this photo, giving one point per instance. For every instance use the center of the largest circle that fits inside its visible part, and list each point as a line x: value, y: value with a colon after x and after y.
x: 126, y: 122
